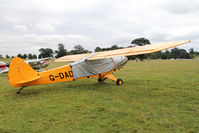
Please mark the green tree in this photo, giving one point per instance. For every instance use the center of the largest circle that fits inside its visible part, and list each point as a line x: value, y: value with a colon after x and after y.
x: 141, y: 42
x: 192, y: 53
x: 20, y: 55
x: 30, y: 56
x: 156, y: 55
x: 7, y: 56
x: 78, y: 49
x: 175, y: 53
x: 25, y: 56
x: 166, y: 55
x: 114, y: 47
x: 179, y: 53
x: 45, y: 52
x: 196, y: 52
x: 1, y: 56
x: 34, y: 56
x: 184, y: 54
x: 61, y: 51
x: 98, y: 49
x: 40, y: 56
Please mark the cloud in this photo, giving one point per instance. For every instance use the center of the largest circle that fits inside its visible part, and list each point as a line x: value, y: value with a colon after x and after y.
x: 182, y: 6
x: 30, y: 43
x: 45, y: 27
x: 28, y: 25
x: 164, y: 34
x: 21, y: 28
x: 160, y: 34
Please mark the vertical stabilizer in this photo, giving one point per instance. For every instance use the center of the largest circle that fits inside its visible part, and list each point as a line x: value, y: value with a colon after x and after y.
x: 20, y: 72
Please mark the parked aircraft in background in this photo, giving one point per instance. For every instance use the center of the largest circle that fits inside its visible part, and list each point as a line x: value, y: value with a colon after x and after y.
x: 38, y: 63
x: 34, y: 63
x: 3, y: 67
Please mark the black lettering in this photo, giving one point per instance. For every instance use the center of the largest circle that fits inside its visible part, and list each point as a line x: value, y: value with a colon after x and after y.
x: 51, y: 77
x: 66, y: 75
x: 70, y: 73
x: 61, y: 75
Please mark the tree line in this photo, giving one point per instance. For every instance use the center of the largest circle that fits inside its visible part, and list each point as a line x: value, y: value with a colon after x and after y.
x: 78, y: 49
x: 61, y: 51
x: 48, y: 52
x: 23, y: 56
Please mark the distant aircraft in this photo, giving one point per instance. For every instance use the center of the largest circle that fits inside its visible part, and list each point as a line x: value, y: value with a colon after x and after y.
x: 38, y: 63
x: 34, y: 63
x: 100, y: 64
x: 3, y: 67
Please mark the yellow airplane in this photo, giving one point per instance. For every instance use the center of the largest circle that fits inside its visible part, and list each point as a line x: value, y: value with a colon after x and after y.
x: 90, y: 65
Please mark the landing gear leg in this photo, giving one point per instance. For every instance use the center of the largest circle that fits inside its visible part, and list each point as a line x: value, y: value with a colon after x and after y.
x: 113, y: 78
x: 18, y: 92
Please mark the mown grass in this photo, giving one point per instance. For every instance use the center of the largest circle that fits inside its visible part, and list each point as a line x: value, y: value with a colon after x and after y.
x: 157, y: 96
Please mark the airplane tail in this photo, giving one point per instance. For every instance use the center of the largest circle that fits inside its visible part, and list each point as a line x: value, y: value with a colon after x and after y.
x: 20, y: 73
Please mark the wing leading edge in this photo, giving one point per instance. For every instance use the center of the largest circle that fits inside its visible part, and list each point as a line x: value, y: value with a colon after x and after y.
x: 124, y: 52
x: 137, y: 50
x: 71, y: 57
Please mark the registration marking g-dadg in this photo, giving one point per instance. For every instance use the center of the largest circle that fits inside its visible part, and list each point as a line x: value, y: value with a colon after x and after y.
x: 61, y: 75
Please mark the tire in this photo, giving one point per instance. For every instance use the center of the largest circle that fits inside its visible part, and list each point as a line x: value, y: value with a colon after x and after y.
x: 119, y: 82
x: 99, y: 80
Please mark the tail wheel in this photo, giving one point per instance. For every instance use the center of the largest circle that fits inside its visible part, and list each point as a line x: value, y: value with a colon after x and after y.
x: 100, y: 80
x: 119, y: 82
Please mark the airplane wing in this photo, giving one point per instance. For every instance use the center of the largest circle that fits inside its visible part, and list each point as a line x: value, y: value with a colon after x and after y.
x: 137, y: 50
x: 124, y: 52
x: 71, y: 57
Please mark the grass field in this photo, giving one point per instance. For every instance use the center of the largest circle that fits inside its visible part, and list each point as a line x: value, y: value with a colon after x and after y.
x: 157, y: 96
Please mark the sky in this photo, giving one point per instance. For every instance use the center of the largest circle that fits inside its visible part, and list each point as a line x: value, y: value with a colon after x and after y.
x: 27, y: 25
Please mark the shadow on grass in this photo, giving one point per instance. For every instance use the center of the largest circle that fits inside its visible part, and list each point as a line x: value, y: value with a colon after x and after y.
x: 63, y: 87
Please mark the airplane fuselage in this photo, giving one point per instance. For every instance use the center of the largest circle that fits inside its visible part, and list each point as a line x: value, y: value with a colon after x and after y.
x: 66, y: 73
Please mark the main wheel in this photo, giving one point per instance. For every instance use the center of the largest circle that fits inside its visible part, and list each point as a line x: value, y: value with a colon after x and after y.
x: 119, y: 82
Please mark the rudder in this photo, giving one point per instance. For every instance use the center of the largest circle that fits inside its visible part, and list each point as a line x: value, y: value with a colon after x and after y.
x: 20, y: 73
